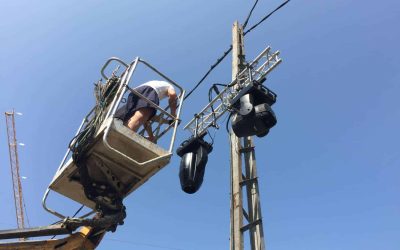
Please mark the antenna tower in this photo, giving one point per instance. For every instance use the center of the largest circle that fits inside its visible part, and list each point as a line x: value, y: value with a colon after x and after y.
x: 14, y: 163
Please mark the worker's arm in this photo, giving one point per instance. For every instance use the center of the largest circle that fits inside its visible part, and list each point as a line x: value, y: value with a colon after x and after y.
x: 172, y: 100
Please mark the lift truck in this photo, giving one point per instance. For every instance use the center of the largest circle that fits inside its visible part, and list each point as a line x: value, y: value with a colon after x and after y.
x: 104, y: 163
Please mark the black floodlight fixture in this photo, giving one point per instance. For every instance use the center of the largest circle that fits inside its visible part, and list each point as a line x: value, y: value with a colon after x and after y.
x: 194, y: 153
x: 253, y: 114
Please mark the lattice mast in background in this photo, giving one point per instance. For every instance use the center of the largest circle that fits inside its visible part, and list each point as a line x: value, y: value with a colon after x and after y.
x: 14, y: 164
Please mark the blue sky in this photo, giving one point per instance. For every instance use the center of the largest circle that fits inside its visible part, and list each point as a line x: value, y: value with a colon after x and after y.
x: 329, y: 175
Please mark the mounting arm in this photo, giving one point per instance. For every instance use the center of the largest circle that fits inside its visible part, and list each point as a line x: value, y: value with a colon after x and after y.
x: 257, y: 70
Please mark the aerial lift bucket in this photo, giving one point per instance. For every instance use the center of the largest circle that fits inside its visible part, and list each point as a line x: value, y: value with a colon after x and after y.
x: 118, y: 156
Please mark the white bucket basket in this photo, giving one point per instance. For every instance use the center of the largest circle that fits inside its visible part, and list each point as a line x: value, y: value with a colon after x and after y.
x: 118, y: 156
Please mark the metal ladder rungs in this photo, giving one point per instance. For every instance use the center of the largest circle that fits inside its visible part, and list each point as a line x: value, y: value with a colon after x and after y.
x: 246, y: 149
x: 247, y: 181
x: 251, y: 224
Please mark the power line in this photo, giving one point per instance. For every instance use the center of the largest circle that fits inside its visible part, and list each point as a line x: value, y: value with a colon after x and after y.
x: 222, y: 57
x: 266, y: 17
x: 219, y: 60
x: 249, y: 15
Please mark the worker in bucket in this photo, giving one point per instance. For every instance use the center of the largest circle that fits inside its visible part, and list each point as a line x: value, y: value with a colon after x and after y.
x: 137, y: 111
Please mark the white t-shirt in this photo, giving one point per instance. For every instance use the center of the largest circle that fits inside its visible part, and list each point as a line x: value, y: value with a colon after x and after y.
x: 161, y: 87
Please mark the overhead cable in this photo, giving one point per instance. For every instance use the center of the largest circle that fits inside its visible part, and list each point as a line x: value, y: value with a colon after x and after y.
x: 209, y: 71
x: 219, y: 60
x: 266, y: 17
x: 249, y: 15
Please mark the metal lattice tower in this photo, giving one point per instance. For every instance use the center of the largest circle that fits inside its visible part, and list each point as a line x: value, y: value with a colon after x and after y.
x: 14, y: 164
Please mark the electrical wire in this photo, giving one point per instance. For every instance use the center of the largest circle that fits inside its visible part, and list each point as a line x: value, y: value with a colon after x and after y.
x: 79, y: 144
x: 249, y: 15
x: 73, y: 216
x: 211, y: 137
x: 216, y: 90
x: 219, y: 60
x: 104, y: 94
x: 77, y: 211
x: 227, y: 122
x: 215, y: 131
x: 265, y: 17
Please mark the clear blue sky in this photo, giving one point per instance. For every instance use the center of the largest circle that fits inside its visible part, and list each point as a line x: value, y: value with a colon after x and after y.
x: 329, y: 171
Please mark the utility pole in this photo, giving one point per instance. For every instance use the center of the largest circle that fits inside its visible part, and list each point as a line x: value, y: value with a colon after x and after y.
x: 245, y: 76
x: 243, y: 149
x: 14, y: 164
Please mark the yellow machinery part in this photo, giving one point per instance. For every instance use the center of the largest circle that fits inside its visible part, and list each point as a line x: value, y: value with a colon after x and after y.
x: 82, y: 240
